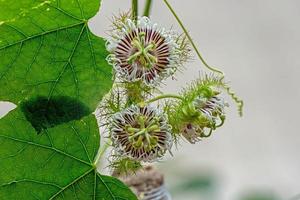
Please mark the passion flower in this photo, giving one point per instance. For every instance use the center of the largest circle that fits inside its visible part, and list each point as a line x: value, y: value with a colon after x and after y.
x: 143, y: 51
x: 210, y: 116
x: 200, y: 111
x: 141, y: 133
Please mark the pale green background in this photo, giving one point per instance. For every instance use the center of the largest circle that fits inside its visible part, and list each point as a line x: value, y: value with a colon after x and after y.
x: 257, y: 44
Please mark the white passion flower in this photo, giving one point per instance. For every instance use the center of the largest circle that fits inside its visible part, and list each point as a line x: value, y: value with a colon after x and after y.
x: 141, y: 133
x: 212, y: 109
x: 143, y: 51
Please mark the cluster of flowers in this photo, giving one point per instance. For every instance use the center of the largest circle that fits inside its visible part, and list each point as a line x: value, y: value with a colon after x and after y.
x: 143, y: 55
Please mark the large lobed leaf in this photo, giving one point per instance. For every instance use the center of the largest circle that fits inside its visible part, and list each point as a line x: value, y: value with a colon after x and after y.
x: 54, y: 69
x: 46, y: 49
x: 57, y: 164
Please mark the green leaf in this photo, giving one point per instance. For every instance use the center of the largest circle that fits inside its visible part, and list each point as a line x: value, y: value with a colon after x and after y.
x: 54, y: 69
x: 57, y: 164
x: 47, y: 49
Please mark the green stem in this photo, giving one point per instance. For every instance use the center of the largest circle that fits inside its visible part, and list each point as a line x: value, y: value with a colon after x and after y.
x: 238, y: 101
x: 102, y: 151
x: 147, y: 8
x: 164, y: 96
x: 135, y: 10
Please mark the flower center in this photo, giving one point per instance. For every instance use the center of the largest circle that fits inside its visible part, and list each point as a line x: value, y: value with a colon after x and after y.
x: 142, y: 136
x: 143, y: 54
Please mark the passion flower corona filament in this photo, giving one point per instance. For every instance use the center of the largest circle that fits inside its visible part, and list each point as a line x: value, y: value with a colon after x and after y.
x: 143, y: 51
x: 211, y: 108
x: 141, y: 133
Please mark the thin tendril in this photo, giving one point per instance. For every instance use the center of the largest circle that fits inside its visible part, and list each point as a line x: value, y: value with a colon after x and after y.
x: 240, y: 102
x: 228, y: 89
x: 191, y: 40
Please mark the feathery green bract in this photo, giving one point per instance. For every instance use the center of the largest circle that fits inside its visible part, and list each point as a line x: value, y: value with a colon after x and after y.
x: 181, y: 112
x: 54, y: 69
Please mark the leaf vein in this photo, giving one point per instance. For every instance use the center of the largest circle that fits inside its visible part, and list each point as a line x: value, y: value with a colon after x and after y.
x: 65, y: 66
x: 30, y: 181
x: 106, y: 186
x: 40, y: 34
x: 70, y: 184
x: 46, y: 147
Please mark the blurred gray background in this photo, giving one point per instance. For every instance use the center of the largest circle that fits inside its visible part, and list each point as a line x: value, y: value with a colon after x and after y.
x: 256, y: 43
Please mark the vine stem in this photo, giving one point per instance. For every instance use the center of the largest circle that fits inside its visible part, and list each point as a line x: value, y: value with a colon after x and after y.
x: 165, y: 96
x: 191, y: 40
x: 147, y: 8
x: 135, y: 11
x: 239, y: 102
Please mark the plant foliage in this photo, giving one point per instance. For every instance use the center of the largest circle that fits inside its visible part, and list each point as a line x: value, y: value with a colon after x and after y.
x: 54, y: 69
